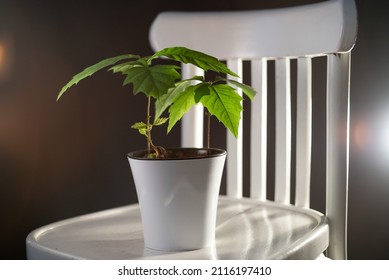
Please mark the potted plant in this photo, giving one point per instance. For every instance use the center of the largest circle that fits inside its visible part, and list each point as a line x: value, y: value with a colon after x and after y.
x: 177, y: 188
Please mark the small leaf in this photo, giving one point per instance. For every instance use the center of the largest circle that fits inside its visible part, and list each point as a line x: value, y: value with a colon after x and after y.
x: 139, y: 125
x: 152, y: 80
x: 93, y: 69
x: 151, y: 156
x: 162, y: 103
x: 181, y: 104
x: 143, y: 131
x: 199, y: 59
x: 160, y: 121
x: 225, y: 104
x: 247, y: 90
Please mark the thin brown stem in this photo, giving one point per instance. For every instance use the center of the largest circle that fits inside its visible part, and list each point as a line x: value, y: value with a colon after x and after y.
x: 158, y: 151
x: 209, y: 130
x: 148, y: 130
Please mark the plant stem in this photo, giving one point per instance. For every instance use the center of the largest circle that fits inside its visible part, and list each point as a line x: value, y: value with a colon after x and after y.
x: 148, y: 130
x: 208, y: 129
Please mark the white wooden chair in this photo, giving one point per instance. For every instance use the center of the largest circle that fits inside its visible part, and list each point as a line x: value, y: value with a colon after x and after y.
x: 303, y: 33
x: 254, y: 227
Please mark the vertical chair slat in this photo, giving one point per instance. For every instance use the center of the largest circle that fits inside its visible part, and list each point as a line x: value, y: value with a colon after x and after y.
x: 258, y: 140
x: 283, y: 132
x: 338, y: 103
x: 303, y: 132
x: 192, y: 121
x: 235, y: 146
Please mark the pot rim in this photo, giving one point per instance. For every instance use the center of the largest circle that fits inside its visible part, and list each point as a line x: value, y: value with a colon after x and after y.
x: 215, y: 152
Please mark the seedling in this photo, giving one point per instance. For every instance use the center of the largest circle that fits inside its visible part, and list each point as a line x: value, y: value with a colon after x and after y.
x: 162, y: 85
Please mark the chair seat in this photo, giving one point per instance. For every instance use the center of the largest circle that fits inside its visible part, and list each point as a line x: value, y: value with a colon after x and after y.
x: 246, y: 229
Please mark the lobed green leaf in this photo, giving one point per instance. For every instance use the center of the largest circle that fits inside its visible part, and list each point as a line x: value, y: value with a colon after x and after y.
x: 247, y: 90
x: 89, y: 71
x: 152, y: 80
x: 202, y: 90
x: 225, y: 104
x: 199, y: 59
x: 123, y: 67
x: 181, y: 104
x: 162, y: 103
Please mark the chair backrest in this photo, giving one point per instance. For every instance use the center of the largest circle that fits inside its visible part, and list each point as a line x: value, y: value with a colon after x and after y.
x: 325, y: 29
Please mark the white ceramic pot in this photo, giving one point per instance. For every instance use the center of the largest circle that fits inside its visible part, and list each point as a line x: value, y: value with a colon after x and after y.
x: 178, y: 198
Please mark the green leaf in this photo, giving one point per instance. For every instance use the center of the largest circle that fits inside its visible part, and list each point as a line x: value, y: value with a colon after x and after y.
x: 143, y: 131
x: 201, y: 91
x: 247, y: 90
x: 162, y: 103
x: 152, y: 80
x: 225, y: 104
x: 93, y: 69
x: 160, y: 121
x: 199, y: 59
x: 123, y: 67
x: 181, y: 104
x: 141, y: 127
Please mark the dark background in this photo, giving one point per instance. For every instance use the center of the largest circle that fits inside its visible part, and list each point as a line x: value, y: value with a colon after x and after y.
x: 59, y: 160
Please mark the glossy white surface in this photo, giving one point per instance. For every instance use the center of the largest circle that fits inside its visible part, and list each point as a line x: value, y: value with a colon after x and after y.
x: 246, y: 229
x: 312, y: 29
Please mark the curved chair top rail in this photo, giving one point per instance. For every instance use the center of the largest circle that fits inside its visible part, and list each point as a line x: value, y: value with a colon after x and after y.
x: 332, y: 23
